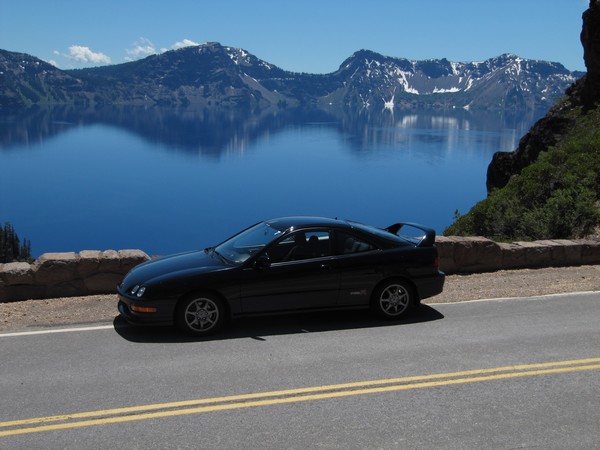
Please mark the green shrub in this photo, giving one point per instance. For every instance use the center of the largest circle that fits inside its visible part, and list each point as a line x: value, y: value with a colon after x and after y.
x: 554, y: 197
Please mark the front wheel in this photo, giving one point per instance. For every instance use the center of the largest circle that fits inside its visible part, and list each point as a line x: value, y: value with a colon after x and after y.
x: 200, y: 314
x: 393, y: 299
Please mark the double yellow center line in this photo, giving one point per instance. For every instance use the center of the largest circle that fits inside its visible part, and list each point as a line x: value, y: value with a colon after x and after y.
x: 205, y: 405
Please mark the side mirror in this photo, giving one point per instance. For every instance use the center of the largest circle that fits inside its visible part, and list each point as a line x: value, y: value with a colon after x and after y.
x: 262, y: 262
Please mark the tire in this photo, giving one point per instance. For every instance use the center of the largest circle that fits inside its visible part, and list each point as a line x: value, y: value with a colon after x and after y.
x: 200, y: 315
x: 393, y: 299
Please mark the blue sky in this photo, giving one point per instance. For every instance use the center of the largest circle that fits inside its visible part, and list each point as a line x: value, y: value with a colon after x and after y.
x: 303, y: 35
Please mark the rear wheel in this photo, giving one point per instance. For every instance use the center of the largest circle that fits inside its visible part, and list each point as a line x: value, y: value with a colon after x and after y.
x: 393, y: 299
x: 201, y: 314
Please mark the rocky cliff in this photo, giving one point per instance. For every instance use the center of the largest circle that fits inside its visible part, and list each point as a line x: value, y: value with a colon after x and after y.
x: 590, y: 39
x: 549, y: 130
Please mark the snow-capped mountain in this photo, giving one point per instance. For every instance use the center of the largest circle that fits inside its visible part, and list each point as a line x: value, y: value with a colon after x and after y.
x: 506, y: 81
x: 215, y: 75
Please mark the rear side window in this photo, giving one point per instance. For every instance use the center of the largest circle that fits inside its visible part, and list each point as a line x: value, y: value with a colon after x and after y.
x: 349, y: 244
x: 382, y: 233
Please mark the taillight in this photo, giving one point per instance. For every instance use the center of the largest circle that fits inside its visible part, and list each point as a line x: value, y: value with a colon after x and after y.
x: 436, y: 261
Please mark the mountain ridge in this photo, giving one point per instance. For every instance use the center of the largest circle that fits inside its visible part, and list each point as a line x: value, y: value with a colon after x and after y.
x: 215, y: 75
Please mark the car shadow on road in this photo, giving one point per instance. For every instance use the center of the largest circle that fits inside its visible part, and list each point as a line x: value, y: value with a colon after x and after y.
x: 261, y: 328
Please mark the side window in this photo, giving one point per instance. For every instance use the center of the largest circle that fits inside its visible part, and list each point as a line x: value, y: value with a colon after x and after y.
x: 301, y: 245
x: 348, y: 244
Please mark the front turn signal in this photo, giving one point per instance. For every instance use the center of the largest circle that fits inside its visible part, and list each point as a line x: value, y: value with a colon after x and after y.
x: 143, y: 309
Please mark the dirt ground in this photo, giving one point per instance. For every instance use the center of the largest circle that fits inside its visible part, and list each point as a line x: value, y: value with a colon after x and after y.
x: 503, y: 284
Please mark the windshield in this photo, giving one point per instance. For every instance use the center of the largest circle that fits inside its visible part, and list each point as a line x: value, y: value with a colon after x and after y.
x: 245, y: 244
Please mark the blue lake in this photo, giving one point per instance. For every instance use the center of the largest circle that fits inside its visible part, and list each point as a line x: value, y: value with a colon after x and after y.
x: 165, y: 180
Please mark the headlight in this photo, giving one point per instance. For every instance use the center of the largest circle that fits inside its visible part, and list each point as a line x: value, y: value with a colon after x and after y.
x: 138, y: 290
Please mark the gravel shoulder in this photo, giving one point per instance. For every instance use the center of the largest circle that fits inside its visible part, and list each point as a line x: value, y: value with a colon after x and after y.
x: 503, y: 284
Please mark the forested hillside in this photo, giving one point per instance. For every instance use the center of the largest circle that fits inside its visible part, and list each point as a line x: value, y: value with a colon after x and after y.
x: 549, y: 187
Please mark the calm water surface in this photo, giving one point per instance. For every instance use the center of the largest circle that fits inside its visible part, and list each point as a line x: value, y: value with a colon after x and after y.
x: 165, y: 180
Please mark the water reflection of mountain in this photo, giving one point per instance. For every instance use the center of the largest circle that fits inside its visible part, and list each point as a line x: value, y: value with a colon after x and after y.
x: 212, y: 132
x: 369, y: 129
x: 208, y: 132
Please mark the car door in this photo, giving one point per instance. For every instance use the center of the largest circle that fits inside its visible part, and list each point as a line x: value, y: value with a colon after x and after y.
x: 299, y: 276
x: 356, y: 263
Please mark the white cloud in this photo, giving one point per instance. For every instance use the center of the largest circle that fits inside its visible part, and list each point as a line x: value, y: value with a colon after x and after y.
x: 142, y: 48
x: 82, y: 54
x: 180, y: 44
x: 184, y: 43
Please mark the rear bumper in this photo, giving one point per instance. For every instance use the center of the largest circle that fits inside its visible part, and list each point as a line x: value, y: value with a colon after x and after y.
x: 430, y: 285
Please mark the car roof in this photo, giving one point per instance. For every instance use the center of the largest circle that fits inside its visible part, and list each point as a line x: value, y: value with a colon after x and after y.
x: 299, y: 222
x: 285, y: 223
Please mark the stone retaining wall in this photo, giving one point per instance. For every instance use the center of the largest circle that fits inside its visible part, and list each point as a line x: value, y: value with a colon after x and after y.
x: 67, y: 274
x: 478, y: 254
x: 98, y: 272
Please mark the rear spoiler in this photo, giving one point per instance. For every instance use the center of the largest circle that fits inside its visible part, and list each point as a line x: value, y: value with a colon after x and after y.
x: 426, y: 240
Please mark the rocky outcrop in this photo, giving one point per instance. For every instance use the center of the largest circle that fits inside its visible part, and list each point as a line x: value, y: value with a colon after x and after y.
x: 67, y: 274
x: 549, y: 130
x: 546, y: 133
x: 590, y: 39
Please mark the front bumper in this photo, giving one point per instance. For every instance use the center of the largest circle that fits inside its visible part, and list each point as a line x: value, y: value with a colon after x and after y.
x: 162, y: 311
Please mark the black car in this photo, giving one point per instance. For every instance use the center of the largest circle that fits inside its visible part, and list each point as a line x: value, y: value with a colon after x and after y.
x: 286, y: 264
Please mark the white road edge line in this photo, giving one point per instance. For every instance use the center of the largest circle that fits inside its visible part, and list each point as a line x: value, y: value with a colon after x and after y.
x: 500, y: 299
x: 59, y: 330
x: 109, y: 327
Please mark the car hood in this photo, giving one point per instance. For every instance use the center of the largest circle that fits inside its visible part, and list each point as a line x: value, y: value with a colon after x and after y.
x: 169, y: 267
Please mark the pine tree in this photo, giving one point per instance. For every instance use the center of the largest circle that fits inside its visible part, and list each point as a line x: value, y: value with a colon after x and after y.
x: 11, y: 248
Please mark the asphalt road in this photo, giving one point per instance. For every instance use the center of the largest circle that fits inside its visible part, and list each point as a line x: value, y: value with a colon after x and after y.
x: 499, y: 374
